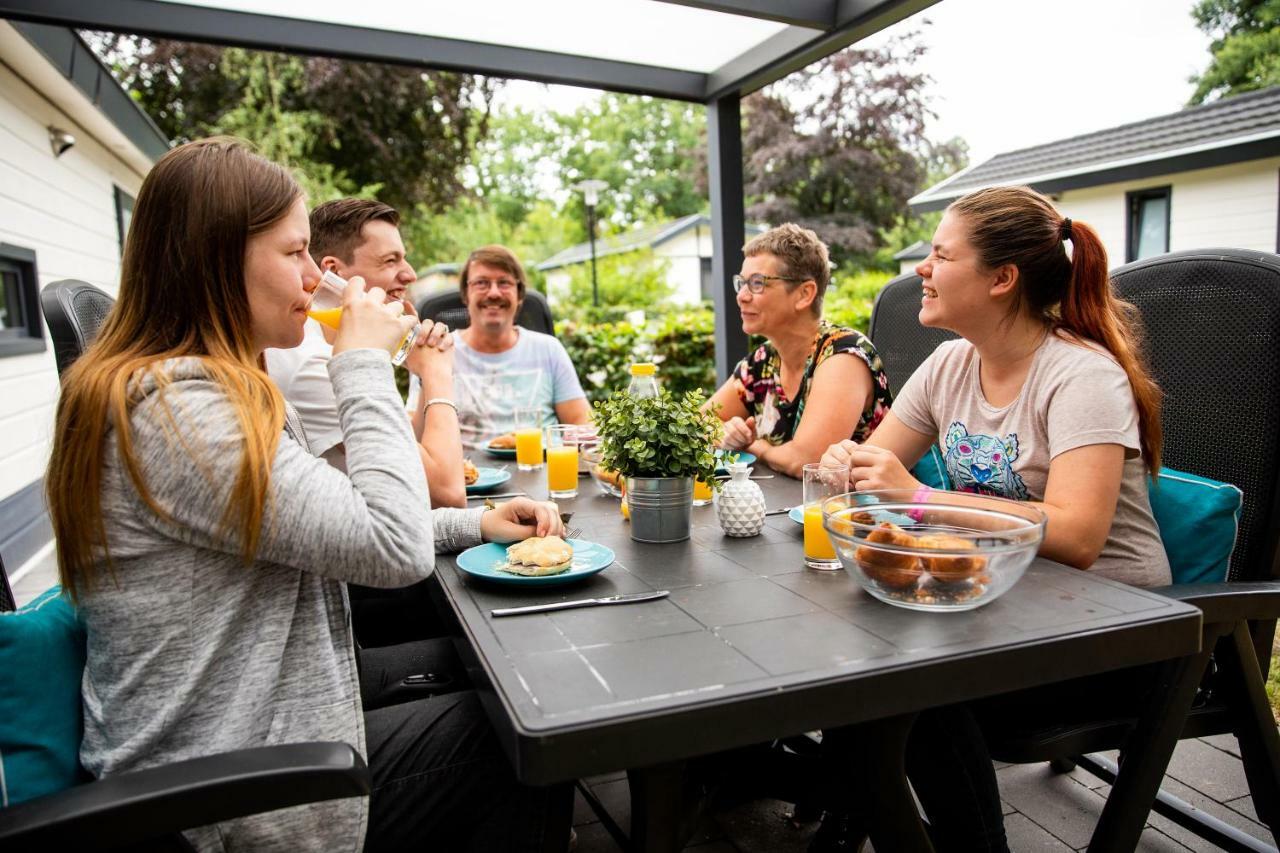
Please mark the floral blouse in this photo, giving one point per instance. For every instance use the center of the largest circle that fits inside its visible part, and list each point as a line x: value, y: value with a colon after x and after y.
x: 760, y: 388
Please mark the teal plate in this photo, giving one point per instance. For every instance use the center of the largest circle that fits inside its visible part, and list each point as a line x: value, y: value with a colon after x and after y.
x: 743, y: 456
x: 489, y: 478
x: 797, y: 515
x: 482, y: 562
x: 501, y: 452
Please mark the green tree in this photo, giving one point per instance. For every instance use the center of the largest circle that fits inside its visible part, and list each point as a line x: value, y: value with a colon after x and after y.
x: 628, y: 280
x: 404, y: 132
x: 839, y: 147
x: 1245, y: 48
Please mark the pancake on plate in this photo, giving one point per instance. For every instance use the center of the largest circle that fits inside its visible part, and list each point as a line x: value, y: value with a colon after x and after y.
x: 506, y: 441
x: 470, y: 473
x: 538, y: 556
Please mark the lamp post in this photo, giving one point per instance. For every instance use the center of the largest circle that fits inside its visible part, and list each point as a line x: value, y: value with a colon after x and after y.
x: 590, y: 196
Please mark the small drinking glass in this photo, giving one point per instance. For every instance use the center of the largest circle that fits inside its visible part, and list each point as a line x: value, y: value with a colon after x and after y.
x: 528, y: 434
x: 562, y: 461
x: 701, y: 493
x: 821, y: 482
x: 326, y: 308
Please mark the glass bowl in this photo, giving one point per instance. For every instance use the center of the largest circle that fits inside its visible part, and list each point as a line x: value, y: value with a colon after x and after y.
x: 589, y: 455
x: 955, y: 551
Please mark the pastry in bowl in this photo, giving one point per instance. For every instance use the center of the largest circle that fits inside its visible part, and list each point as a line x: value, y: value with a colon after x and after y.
x: 506, y: 441
x: 897, y: 571
x: 538, y: 556
x: 470, y: 473
x: 951, y: 568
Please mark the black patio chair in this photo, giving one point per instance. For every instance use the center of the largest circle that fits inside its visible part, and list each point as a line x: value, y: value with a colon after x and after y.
x: 447, y: 307
x: 148, y: 809
x: 1212, y: 323
x: 74, y: 311
x: 896, y: 331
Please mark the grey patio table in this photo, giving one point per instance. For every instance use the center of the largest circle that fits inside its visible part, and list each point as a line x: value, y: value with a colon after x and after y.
x: 752, y: 646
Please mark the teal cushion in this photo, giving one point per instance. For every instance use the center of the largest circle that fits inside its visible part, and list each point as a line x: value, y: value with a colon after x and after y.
x: 931, y: 470
x: 1198, y: 519
x: 42, y: 647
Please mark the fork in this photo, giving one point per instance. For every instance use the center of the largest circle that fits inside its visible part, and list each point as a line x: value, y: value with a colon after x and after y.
x: 573, y: 533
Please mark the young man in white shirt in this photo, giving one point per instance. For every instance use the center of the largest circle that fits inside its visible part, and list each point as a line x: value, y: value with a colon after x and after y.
x: 361, y: 237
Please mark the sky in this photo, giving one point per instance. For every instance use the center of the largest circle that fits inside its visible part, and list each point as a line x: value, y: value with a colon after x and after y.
x: 1010, y: 74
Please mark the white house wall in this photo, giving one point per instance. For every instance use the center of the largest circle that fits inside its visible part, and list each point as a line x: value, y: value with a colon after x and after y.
x: 63, y: 209
x: 1232, y: 206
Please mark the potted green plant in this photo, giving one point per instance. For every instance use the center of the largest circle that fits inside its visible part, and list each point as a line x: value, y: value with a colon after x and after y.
x: 659, y: 445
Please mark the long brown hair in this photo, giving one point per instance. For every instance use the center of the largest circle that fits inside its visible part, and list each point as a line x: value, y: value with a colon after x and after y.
x: 182, y: 293
x: 1019, y: 226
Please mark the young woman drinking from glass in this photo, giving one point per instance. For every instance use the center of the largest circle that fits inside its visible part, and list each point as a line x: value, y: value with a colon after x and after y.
x: 207, y: 549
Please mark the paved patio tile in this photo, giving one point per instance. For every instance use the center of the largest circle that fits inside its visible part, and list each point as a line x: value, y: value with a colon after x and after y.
x: 760, y: 827
x: 1209, y: 770
x: 1226, y: 743
x: 594, y: 838
x: 582, y: 812
x: 1027, y: 837
x: 1244, y: 806
x: 1207, y: 804
x: 1062, y: 806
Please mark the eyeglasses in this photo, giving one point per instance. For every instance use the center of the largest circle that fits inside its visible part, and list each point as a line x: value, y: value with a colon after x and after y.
x: 758, y: 282
x: 480, y: 285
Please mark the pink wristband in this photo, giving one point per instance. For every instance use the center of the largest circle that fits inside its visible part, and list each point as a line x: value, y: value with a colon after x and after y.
x: 921, y: 495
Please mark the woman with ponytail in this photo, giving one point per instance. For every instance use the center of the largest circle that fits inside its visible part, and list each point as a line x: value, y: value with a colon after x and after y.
x: 207, y: 550
x: 1043, y: 399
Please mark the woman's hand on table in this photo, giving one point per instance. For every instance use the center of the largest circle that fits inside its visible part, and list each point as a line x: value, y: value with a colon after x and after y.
x: 872, y: 467
x: 738, y: 433
x: 520, y: 518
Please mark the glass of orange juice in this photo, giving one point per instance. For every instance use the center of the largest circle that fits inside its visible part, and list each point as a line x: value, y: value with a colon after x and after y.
x: 701, y: 493
x: 326, y: 308
x: 528, y: 439
x: 820, y: 482
x: 562, y: 461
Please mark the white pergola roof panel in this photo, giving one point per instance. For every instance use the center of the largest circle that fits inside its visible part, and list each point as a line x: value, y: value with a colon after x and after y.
x: 644, y: 32
x: 692, y: 50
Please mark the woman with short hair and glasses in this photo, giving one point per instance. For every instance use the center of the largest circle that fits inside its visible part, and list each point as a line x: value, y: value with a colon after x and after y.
x: 795, y: 395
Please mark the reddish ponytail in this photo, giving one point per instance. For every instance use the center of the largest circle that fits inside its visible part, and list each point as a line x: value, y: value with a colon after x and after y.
x: 1016, y: 225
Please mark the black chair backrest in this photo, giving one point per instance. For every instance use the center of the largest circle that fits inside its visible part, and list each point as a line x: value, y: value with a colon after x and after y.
x: 7, y: 601
x: 896, y: 331
x: 1212, y: 323
x: 74, y: 311
x: 446, y: 307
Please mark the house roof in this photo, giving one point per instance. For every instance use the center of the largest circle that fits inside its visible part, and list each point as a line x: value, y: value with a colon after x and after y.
x: 916, y: 251
x: 650, y: 236
x: 79, y: 67
x: 1245, y: 127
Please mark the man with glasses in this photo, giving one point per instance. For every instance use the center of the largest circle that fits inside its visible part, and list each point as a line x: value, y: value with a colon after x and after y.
x: 361, y: 237
x: 500, y: 367
x: 797, y: 392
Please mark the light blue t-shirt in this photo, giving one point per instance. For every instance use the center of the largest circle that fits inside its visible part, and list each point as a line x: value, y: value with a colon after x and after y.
x: 491, y: 386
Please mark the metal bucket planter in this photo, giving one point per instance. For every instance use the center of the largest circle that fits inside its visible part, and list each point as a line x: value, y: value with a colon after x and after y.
x: 661, y: 508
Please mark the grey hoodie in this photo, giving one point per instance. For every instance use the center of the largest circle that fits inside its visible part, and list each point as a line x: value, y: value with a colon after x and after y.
x: 192, y: 652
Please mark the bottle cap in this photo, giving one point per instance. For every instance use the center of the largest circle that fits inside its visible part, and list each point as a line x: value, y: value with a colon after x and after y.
x: 643, y: 369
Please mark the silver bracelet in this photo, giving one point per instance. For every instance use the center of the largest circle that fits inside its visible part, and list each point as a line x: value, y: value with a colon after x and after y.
x: 442, y: 401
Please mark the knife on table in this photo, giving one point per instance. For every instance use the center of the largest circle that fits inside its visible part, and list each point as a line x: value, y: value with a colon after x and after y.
x: 582, y: 602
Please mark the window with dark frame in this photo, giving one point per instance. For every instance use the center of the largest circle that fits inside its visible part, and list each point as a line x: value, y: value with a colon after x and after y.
x: 21, y: 331
x: 1147, y: 231
x: 124, y: 215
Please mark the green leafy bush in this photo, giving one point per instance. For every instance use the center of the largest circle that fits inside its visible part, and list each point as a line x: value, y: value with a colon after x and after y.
x: 663, y: 436
x: 682, y: 341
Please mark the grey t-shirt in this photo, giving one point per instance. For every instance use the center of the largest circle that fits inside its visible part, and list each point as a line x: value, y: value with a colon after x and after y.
x: 1075, y: 395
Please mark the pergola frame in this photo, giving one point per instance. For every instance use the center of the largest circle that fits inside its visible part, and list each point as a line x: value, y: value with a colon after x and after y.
x: 814, y: 29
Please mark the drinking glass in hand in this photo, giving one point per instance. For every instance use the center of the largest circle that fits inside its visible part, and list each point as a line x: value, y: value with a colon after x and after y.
x: 820, y: 482
x: 326, y: 308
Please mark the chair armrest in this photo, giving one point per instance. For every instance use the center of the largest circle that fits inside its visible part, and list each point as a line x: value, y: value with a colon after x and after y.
x: 157, y: 801
x: 1229, y: 602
